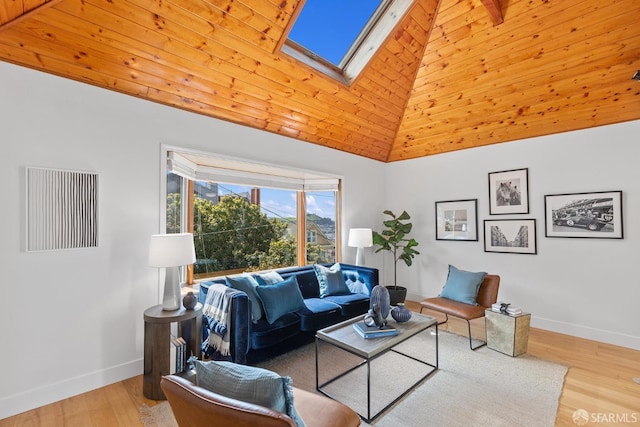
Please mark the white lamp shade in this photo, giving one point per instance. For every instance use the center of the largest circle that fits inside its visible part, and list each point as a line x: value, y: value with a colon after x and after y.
x: 360, y: 238
x: 171, y: 250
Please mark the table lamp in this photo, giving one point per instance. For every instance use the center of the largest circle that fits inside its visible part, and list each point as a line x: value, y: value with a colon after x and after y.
x: 360, y: 238
x: 171, y: 251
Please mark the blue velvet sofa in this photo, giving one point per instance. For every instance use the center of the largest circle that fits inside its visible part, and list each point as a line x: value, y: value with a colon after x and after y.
x: 252, y: 341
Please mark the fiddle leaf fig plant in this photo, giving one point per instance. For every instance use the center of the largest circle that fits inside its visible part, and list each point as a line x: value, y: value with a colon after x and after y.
x: 394, y: 238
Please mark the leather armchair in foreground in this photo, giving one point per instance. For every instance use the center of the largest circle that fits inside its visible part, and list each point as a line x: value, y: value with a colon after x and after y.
x: 195, y: 406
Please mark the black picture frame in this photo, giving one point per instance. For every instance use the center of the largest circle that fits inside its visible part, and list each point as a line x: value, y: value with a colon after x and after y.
x: 513, y: 236
x: 457, y: 220
x: 592, y: 215
x: 509, y: 192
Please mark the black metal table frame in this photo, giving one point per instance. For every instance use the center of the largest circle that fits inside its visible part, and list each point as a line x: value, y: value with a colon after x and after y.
x: 370, y: 418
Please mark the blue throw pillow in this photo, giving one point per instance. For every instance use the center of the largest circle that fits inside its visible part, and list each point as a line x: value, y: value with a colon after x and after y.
x: 248, y: 384
x: 355, y: 284
x: 248, y: 284
x: 268, y: 278
x: 281, y: 298
x: 462, y: 286
x: 330, y: 280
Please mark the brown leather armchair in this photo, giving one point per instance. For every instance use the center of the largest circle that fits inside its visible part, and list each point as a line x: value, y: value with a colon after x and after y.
x: 196, y: 406
x: 487, y: 296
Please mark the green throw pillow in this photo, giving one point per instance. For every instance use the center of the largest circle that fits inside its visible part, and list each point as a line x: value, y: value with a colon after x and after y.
x: 248, y: 384
x: 281, y: 298
x: 248, y: 284
x: 462, y: 286
x: 331, y: 280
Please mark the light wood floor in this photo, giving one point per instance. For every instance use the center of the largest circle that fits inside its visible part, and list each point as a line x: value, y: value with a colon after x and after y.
x: 600, y: 381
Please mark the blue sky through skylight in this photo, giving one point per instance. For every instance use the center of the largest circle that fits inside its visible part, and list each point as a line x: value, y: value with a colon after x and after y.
x: 329, y: 27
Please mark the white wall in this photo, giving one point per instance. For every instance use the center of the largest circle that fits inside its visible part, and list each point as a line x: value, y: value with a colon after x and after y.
x: 583, y: 287
x: 71, y: 320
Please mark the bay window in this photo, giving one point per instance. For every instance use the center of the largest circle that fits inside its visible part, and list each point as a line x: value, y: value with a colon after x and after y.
x: 247, y: 216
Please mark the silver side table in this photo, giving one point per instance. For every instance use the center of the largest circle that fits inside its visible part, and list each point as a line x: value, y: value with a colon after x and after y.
x: 506, y: 333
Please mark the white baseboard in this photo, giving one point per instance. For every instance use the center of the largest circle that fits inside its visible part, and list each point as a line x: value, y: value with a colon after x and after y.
x: 49, y: 393
x: 585, y: 332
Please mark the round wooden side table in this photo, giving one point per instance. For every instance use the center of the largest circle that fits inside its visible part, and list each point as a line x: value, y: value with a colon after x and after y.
x: 157, y: 343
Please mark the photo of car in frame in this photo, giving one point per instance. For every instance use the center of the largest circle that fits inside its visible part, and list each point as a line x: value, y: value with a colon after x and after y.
x: 594, y: 219
x: 590, y: 215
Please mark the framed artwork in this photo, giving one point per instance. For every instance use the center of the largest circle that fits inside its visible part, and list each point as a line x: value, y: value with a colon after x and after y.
x: 509, y: 192
x: 590, y: 215
x: 457, y: 220
x: 513, y: 236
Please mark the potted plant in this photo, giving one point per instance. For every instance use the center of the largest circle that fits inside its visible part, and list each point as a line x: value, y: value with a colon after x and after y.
x: 394, y: 239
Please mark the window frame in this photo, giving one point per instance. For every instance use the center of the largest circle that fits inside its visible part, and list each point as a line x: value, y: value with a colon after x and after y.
x: 374, y: 33
x: 187, y: 224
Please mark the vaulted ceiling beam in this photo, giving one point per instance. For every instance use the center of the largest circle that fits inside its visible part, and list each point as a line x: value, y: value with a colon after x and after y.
x: 495, y: 12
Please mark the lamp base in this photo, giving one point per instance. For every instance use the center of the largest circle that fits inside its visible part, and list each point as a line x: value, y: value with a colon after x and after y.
x: 360, y: 256
x: 171, y: 298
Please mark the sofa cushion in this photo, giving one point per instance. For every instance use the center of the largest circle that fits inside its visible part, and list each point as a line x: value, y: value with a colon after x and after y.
x: 320, y: 305
x: 263, y: 334
x: 280, y: 298
x: 462, y: 286
x: 248, y: 384
x: 268, y: 278
x: 351, y: 304
x: 355, y: 283
x: 308, y: 283
x: 318, y: 313
x: 248, y: 284
x: 330, y: 280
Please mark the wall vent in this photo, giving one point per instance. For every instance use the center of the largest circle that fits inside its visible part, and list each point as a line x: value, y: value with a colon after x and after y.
x: 62, y: 209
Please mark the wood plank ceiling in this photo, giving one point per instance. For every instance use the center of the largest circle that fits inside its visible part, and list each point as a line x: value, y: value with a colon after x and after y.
x: 454, y: 74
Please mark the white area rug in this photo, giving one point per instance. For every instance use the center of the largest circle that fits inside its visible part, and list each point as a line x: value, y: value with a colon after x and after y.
x: 471, y: 388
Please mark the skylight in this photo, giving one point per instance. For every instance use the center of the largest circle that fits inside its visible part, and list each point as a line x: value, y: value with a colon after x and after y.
x: 327, y: 33
x: 339, y: 37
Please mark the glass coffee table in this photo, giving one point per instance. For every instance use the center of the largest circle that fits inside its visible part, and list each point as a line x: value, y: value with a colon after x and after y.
x: 344, y: 337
